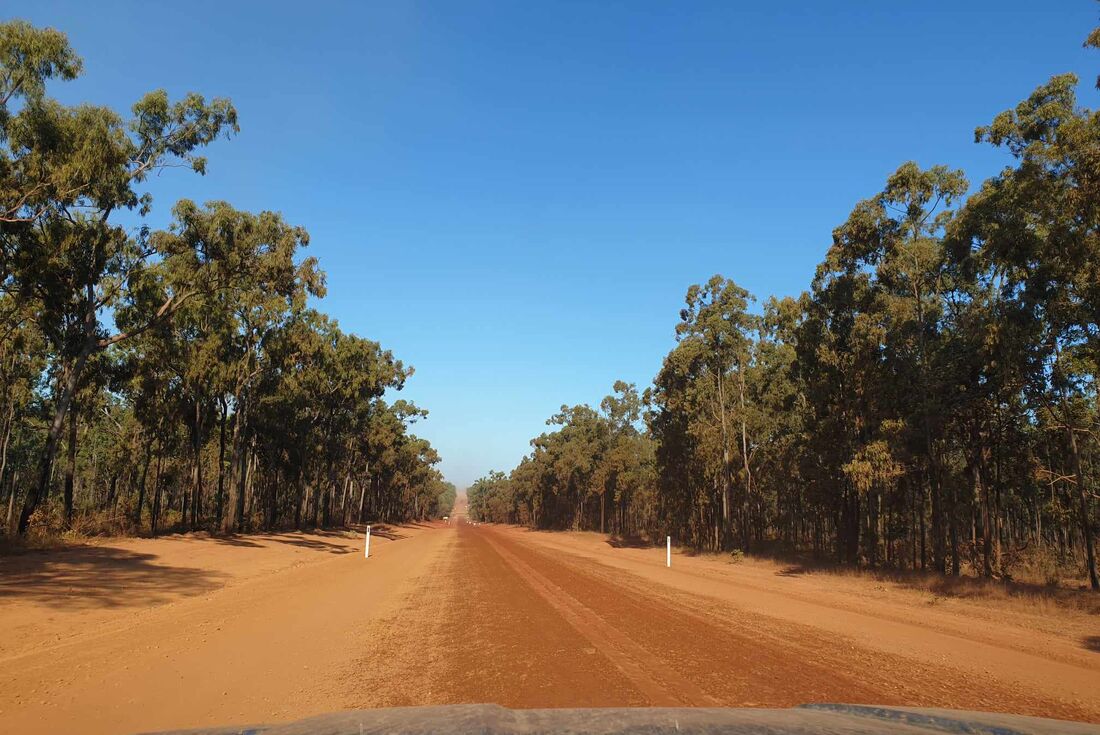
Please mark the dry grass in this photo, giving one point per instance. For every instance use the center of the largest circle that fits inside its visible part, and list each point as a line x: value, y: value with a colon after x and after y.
x: 1039, y: 582
x: 47, y: 530
x: 1033, y: 593
x: 1036, y: 598
x: 32, y: 541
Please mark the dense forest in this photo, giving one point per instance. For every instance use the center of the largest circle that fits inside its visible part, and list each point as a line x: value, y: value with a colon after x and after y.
x: 929, y: 403
x: 176, y: 378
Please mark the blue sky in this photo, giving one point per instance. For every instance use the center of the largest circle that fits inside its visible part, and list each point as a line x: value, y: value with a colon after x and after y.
x: 514, y: 196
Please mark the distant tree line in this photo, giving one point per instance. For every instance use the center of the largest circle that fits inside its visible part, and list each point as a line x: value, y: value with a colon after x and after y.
x: 930, y: 403
x: 173, y: 379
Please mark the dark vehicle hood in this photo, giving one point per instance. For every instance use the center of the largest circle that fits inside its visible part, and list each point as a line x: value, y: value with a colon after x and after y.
x: 815, y: 719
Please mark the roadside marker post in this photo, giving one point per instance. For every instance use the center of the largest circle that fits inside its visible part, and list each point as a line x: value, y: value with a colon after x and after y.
x: 668, y: 551
x: 366, y: 546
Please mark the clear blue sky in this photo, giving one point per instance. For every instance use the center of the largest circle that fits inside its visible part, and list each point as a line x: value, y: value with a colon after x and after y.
x: 514, y: 196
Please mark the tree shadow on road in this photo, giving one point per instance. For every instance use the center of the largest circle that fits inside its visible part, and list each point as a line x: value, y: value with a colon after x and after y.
x: 302, y: 539
x: 238, y: 541
x: 90, y: 577
x: 629, y: 542
x: 390, y: 533
x: 308, y: 539
x: 417, y: 524
x: 313, y: 544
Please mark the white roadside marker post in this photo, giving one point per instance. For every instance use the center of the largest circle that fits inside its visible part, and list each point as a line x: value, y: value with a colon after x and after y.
x: 366, y: 546
x: 668, y: 551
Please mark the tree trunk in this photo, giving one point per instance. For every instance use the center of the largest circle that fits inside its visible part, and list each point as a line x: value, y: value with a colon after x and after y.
x: 299, y: 500
x: 307, y: 501
x: 67, y: 386
x: 273, y: 507
x: 1083, y: 508
x: 363, y: 495
x: 953, y: 526
x: 981, y: 496
x: 154, y: 514
x: 343, y: 507
x: 70, y: 464
x: 874, y: 510
x: 11, y: 499
x: 141, y: 486
x: 317, y: 492
x: 939, y: 551
x: 722, y: 524
x: 327, y: 495
x: 196, y: 466
x: 923, y: 534
x: 9, y: 421
x: 239, y: 464
x: 220, y: 501
x: 745, y: 456
x: 185, y: 496
x: 244, y: 496
x: 108, y: 504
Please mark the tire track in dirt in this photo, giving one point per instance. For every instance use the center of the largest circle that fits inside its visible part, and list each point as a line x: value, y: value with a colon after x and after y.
x: 660, y: 685
x: 472, y: 631
x: 748, y: 659
x: 969, y: 624
x: 731, y: 666
x: 496, y: 618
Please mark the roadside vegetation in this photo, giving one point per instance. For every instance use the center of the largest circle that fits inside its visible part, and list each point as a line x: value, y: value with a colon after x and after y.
x: 929, y: 403
x: 177, y: 378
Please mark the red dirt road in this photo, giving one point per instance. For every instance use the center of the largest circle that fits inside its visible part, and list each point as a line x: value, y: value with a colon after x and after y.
x: 139, y: 635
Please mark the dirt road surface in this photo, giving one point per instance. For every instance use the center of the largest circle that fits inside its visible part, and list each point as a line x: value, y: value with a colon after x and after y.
x: 141, y: 635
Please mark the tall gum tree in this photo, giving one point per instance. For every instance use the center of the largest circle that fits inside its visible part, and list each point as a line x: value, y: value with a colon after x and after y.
x: 708, y: 371
x: 67, y: 175
x: 1038, y: 224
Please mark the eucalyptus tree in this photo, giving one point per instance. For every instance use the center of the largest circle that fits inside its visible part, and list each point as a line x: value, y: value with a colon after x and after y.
x: 320, y: 416
x: 414, y: 480
x: 245, y: 264
x: 405, y: 482
x: 780, y: 405
x: 68, y: 175
x: 601, y: 454
x: 491, y: 498
x: 354, y: 373
x: 942, y: 368
x: 624, y: 467
x: 444, y: 501
x: 183, y: 353
x: 873, y: 324
x: 573, y: 452
x: 1037, y: 226
x: 386, y: 427
x: 706, y: 378
x: 148, y: 383
x: 681, y: 423
x: 22, y: 361
x: 30, y: 178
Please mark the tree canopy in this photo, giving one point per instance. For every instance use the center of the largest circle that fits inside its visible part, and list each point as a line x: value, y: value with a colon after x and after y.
x: 930, y: 402
x: 180, y: 371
